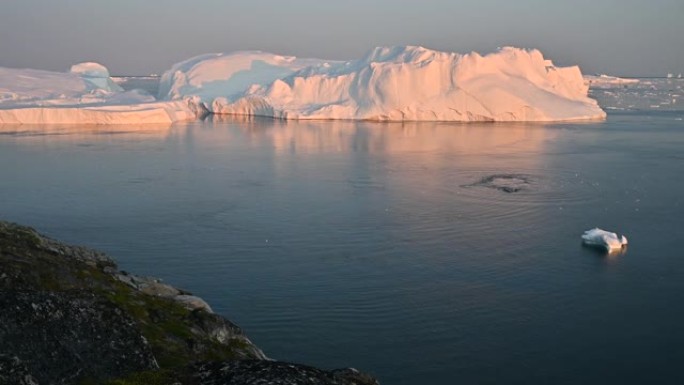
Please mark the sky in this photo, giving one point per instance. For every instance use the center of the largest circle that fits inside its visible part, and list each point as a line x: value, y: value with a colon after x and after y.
x: 138, y: 37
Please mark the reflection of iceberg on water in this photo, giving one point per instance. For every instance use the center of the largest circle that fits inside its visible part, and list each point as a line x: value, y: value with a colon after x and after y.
x: 604, y: 239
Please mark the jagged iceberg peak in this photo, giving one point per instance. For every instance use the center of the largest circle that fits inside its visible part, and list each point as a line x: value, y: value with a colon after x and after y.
x: 406, y: 54
x: 507, y: 57
x: 387, y: 84
x: 420, y: 54
x: 377, y: 55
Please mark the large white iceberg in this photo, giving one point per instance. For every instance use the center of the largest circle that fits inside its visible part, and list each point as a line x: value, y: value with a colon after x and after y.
x: 388, y: 84
x: 85, y: 95
x: 604, y: 239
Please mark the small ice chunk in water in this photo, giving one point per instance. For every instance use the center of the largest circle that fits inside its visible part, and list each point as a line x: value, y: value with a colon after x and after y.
x: 605, y: 239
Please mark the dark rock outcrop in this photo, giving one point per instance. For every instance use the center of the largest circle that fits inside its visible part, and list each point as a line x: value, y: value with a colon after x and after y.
x: 63, y: 336
x: 69, y: 316
x: 508, y: 183
x: 14, y: 371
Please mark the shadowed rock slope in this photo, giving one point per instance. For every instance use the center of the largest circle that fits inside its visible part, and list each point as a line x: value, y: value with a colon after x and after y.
x: 69, y: 316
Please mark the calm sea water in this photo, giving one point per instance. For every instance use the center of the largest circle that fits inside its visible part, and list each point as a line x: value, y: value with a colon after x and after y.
x: 389, y: 247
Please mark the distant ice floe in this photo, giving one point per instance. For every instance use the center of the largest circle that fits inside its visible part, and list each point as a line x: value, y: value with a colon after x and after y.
x: 85, y: 95
x: 604, y: 239
x: 647, y: 94
x: 407, y: 83
x: 606, y: 81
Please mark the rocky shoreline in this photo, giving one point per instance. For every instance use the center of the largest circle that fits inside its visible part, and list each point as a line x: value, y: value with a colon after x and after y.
x: 70, y: 316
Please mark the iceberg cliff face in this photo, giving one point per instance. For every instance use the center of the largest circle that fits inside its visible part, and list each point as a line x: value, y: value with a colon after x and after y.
x: 388, y: 84
x: 85, y: 95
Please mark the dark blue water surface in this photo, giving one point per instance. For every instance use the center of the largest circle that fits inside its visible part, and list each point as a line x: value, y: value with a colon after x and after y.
x: 389, y: 247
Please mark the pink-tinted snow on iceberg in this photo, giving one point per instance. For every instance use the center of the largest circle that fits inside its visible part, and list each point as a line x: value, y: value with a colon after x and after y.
x: 388, y: 84
x: 85, y: 95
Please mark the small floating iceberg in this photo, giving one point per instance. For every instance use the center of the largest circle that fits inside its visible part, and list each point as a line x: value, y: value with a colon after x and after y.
x: 604, y: 239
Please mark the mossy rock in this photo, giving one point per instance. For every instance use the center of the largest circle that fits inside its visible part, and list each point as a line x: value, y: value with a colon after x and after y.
x: 61, y: 289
